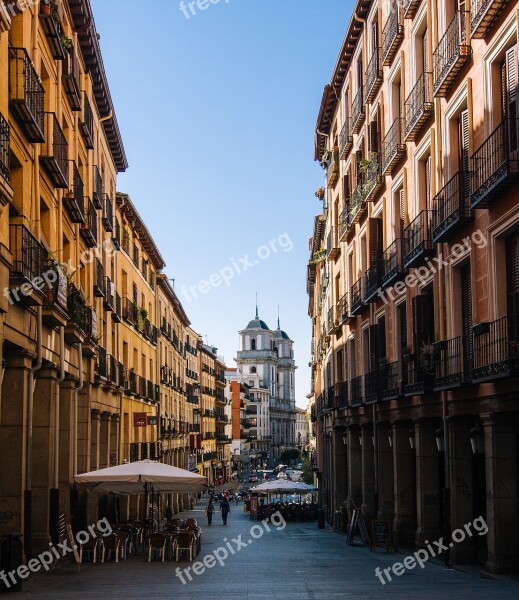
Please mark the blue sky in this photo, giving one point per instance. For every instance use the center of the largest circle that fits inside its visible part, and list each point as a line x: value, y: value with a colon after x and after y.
x: 217, y: 114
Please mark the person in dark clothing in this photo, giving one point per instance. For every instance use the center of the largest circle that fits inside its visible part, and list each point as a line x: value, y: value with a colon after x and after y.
x: 210, y: 512
x: 225, y: 507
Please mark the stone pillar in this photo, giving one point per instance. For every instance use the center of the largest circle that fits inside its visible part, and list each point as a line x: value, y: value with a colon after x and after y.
x: 428, y: 485
x: 86, y: 436
x: 354, y: 469
x: 113, y: 456
x: 502, y: 455
x: 404, y: 523
x: 13, y: 442
x: 386, y: 492
x: 66, y: 444
x: 95, y: 440
x: 42, y: 457
x: 461, y: 485
x: 340, y: 469
x: 368, y: 471
x: 104, y: 440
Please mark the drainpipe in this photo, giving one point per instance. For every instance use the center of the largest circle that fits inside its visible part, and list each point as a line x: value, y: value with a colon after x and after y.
x: 76, y: 393
x: 55, y: 479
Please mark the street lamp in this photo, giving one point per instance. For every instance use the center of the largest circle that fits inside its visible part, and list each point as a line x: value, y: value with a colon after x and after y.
x: 411, y: 438
x: 440, y: 439
x: 477, y: 440
x: 345, y: 438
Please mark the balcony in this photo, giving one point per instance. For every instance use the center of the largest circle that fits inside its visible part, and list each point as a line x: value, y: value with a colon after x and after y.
x: 332, y: 244
x: 332, y: 171
x: 372, y: 387
x: 356, y: 391
x: 55, y: 306
x: 496, y: 350
x: 357, y: 207
x: 495, y: 164
x: 418, y: 373
x: 410, y: 7
x: 108, y: 216
x: 418, y: 107
x: 390, y: 380
x: 130, y: 386
x: 117, y: 314
x: 418, y: 245
x: 373, y: 77
x: 129, y: 311
x: 77, y: 324
x: 448, y: 361
x: 450, y: 208
x: 357, y: 303
x: 392, y: 269
x: 343, y: 314
x: 116, y: 239
x: 358, y: 111
x: 332, y: 322
x: 451, y: 54
x: 374, y: 281
x: 141, y: 386
x: 109, y: 294
x: 483, y: 14
x: 341, y: 395
x: 27, y: 256
x: 89, y: 227
x: 51, y: 26
x: 54, y: 152
x: 345, y: 139
x: 392, y: 34
x: 344, y: 222
x: 74, y: 200
x: 71, y: 79
x: 6, y: 191
x: 99, y: 279
x: 393, y: 147
x: 26, y: 95
x: 86, y: 124
x: 102, y: 363
x: 372, y: 177
x: 97, y: 194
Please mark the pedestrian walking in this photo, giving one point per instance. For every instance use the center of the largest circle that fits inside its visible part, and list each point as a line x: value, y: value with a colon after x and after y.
x: 225, y: 507
x: 236, y: 499
x: 210, y: 512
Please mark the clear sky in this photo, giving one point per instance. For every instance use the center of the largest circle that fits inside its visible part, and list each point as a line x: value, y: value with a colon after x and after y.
x: 217, y: 114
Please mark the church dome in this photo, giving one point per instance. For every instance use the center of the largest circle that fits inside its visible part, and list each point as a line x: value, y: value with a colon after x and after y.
x: 280, y: 335
x: 258, y: 324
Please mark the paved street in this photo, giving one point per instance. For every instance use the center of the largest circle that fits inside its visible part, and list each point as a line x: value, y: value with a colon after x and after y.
x: 299, y: 562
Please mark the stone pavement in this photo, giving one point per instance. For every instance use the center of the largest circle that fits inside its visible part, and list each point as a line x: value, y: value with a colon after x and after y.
x: 299, y: 562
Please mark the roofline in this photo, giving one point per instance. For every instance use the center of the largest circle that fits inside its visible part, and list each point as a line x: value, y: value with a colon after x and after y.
x: 126, y: 206
x: 167, y: 288
x: 330, y: 98
x: 84, y: 24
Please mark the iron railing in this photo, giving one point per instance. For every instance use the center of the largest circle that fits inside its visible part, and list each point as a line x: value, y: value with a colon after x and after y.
x: 392, y: 270
x: 345, y: 138
x: 54, y: 152
x: 418, y: 106
x: 450, y: 54
x: 358, y: 111
x: 108, y: 217
x: 373, y: 76
x: 27, y: 253
x: 483, y: 14
x: 448, y: 361
x: 496, y: 349
x: 357, y: 296
x: 393, y: 147
x: 356, y: 391
x: 393, y: 33
x: 450, y: 209
x: 332, y: 171
x: 374, y: 280
x: 99, y: 279
x: 391, y: 380
x: 372, y: 386
x: 5, y: 139
x: 97, y: 194
x: 89, y: 227
x: 342, y: 309
x: 86, y: 124
x: 70, y: 78
x: 73, y: 200
x: 418, y: 244
x: 109, y: 289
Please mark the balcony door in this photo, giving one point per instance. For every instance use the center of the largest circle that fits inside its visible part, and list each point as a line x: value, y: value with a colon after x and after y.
x: 509, y: 92
x: 463, y: 145
x: 466, y: 316
x: 512, y: 270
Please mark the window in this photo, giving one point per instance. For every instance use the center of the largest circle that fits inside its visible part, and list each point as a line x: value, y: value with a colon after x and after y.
x: 253, y: 370
x: 253, y: 344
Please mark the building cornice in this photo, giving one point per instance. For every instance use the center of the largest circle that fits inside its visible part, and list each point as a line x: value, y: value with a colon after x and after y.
x: 168, y: 290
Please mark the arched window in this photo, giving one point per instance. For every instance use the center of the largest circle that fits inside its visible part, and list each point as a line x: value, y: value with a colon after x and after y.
x: 253, y: 344
x: 253, y: 370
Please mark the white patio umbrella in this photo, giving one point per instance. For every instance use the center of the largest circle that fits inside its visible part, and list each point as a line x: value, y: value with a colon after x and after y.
x: 142, y: 476
x: 283, y: 486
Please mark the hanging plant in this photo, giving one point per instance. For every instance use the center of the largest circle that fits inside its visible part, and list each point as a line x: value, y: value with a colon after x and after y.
x: 66, y: 42
x: 318, y: 256
x: 319, y: 193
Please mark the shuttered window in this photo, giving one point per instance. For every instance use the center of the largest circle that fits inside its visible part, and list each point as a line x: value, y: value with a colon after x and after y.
x: 376, y: 229
x: 464, y: 150
x: 466, y: 313
x: 509, y: 82
x: 402, y: 324
x: 425, y: 54
x: 428, y: 178
x: 423, y: 320
x: 512, y: 271
x: 373, y: 137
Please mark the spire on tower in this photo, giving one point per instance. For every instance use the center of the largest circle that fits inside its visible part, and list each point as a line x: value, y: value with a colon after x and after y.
x: 279, y: 326
x: 257, y: 305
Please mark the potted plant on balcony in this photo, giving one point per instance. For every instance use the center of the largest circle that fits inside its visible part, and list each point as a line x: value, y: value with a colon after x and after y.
x: 318, y: 256
x: 325, y: 160
x: 46, y: 7
x: 319, y: 193
x: 427, y: 361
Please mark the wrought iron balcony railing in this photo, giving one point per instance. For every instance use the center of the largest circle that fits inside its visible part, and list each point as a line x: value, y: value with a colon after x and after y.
x: 373, y: 77
x: 357, y: 207
x: 418, y: 245
x: 393, y: 147
x: 344, y: 222
x: 374, y: 281
x: 97, y: 194
x: 418, y: 373
x: 418, y: 107
x: 450, y: 371
x: 391, y: 380
x: 27, y: 254
x: 393, y: 33
x: 483, y: 15
x: 451, y: 54
x: 332, y: 171
x: 26, y: 94
x: 345, y: 139
x: 54, y: 152
x: 86, y: 124
x: 129, y: 312
x: 450, y: 207
x: 77, y: 312
x: 332, y: 244
x: 109, y: 294
x: 343, y: 309
x: 357, y: 302
x: 495, y: 164
x: 496, y: 349
x: 117, y: 315
x: 392, y: 269
x: 102, y: 363
x: 356, y: 391
x: 372, y: 388
x: 410, y: 7
x: 99, y: 279
x: 52, y: 29
x: 372, y: 177
x: 341, y: 395
x: 71, y: 79
x: 108, y: 217
x: 89, y: 226
x: 73, y: 200
x: 358, y: 111
x: 5, y: 144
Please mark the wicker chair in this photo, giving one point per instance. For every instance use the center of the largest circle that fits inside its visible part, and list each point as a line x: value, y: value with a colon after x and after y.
x: 185, y: 541
x: 158, y: 541
x: 111, y: 544
x: 90, y: 546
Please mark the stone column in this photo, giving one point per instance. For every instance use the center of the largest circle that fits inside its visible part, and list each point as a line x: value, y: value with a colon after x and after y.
x: 66, y: 444
x: 340, y: 468
x: 428, y: 487
x: 404, y: 523
x: 86, y: 436
x: 386, y: 492
x: 113, y: 457
x: 354, y: 469
x: 502, y: 455
x: 95, y: 439
x: 368, y: 471
x: 104, y: 440
x: 461, y: 486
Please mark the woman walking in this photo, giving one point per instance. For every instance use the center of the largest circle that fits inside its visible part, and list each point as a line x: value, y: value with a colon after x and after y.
x: 225, y: 507
x: 210, y: 512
